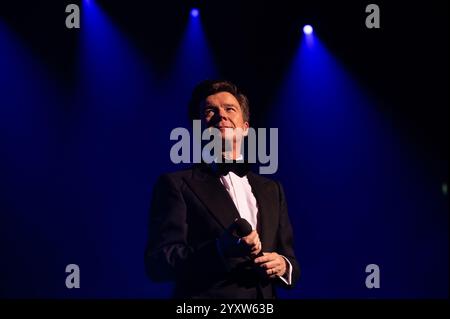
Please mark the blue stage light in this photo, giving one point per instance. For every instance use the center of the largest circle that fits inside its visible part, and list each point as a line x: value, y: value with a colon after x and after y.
x: 194, y: 13
x: 307, y: 29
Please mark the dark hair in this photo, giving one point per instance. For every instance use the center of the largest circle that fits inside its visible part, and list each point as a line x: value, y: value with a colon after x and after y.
x: 210, y: 87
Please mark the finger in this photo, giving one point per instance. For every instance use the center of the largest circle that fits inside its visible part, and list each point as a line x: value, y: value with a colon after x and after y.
x: 252, y: 236
x: 255, y: 240
x: 265, y: 258
x: 256, y: 246
x: 270, y: 265
x: 251, y: 239
x: 256, y: 251
x: 272, y: 272
x: 261, y: 259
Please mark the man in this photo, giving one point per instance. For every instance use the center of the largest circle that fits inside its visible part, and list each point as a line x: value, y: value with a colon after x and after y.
x: 192, y: 235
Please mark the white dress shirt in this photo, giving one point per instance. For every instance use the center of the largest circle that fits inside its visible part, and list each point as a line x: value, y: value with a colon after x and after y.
x: 241, y: 193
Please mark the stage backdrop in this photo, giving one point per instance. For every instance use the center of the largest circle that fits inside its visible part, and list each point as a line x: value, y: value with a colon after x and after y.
x: 362, y: 117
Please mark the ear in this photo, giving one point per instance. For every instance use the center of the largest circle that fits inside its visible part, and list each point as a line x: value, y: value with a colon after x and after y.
x: 246, y: 127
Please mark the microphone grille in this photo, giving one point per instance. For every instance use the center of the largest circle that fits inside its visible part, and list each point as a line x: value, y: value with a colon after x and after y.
x: 243, y: 227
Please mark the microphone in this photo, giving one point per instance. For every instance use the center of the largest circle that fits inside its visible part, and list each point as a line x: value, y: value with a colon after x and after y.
x: 243, y: 228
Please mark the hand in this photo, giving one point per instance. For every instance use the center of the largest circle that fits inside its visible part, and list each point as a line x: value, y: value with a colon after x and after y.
x: 252, y: 242
x: 233, y: 246
x: 273, y: 264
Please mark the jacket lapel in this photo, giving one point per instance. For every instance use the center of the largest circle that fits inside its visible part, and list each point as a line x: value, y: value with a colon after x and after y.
x: 213, y: 195
x: 267, y: 209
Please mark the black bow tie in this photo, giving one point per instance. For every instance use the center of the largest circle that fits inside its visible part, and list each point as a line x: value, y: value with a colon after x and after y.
x: 240, y: 168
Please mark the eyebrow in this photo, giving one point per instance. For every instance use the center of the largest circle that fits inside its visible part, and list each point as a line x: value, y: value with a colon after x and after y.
x: 209, y: 106
x: 233, y: 105
x: 215, y: 106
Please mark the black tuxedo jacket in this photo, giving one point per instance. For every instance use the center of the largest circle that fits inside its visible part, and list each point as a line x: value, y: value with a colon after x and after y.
x: 190, y: 209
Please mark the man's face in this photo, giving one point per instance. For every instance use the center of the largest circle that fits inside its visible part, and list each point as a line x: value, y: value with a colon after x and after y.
x: 222, y: 110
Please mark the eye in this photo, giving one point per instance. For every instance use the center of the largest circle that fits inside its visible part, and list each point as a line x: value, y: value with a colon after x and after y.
x: 230, y: 109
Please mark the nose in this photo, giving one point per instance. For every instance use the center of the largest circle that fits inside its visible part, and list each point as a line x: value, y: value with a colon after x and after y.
x: 222, y: 113
x: 218, y: 116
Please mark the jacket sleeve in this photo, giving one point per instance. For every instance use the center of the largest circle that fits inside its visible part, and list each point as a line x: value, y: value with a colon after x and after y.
x: 168, y: 255
x: 286, y: 238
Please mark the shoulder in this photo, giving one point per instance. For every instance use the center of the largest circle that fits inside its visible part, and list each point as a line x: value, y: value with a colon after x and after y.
x: 262, y: 179
x: 177, y: 174
x: 268, y: 184
x: 175, y: 177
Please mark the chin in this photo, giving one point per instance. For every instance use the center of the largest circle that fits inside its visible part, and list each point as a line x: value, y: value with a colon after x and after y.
x: 227, y: 138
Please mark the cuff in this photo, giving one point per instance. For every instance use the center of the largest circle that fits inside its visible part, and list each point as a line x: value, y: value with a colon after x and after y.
x: 287, y: 277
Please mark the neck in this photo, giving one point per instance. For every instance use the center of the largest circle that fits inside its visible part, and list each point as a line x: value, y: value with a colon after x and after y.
x: 234, y: 153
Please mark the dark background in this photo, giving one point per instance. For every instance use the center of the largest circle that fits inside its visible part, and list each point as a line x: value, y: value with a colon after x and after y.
x: 84, y: 135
